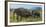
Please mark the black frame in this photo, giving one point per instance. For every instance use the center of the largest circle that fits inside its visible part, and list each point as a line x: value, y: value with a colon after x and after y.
x: 6, y: 13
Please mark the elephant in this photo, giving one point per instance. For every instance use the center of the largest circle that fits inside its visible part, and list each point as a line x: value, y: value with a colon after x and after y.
x: 22, y: 12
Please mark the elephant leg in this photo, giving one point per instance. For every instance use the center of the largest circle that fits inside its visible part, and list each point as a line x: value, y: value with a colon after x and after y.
x: 17, y: 19
x: 21, y: 18
x: 34, y: 16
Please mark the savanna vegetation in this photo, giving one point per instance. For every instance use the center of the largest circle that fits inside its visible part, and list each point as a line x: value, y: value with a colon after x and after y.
x: 25, y: 15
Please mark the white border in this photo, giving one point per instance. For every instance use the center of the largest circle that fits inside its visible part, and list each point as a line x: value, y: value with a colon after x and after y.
x: 25, y: 22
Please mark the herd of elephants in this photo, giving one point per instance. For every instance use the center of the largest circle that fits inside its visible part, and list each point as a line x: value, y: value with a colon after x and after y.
x: 25, y: 13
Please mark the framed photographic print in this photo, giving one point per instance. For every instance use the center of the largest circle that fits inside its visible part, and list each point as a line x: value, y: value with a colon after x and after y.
x: 24, y: 13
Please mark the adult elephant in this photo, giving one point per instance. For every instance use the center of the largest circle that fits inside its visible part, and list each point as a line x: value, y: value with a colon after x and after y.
x: 22, y: 12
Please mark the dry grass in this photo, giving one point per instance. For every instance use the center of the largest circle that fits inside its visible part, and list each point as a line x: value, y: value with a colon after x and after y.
x: 28, y: 19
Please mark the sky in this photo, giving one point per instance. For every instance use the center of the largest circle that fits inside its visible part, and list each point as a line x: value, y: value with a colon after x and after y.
x: 14, y: 6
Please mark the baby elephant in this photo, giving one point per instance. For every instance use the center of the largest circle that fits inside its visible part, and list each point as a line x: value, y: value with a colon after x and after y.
x: 36, y: 14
